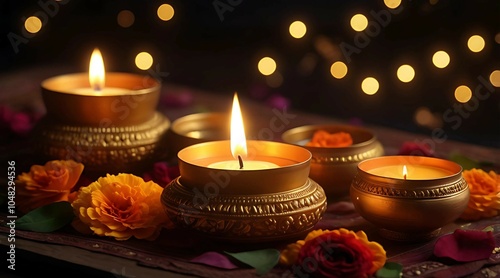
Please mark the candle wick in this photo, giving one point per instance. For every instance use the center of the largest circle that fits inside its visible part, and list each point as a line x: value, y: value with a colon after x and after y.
x: 404, y: 176
x: 97, y: 88
x: 240, y: 161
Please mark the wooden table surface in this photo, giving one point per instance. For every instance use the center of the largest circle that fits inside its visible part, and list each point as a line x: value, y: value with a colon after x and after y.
x: 21, y: 88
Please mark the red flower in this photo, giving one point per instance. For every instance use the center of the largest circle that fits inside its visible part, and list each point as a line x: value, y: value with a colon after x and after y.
x: 162, y: 173
x: 337, y: 253
x: 412, y: 148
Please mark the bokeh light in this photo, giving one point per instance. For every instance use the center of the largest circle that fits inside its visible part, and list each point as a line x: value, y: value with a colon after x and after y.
x: 463, y: 93
x: 441, y: 59
x: 497, y: 38
x: 392, y: 4
x: 327, y: 48
x: 359, y: 22
x: 370, y: 85
x: 267, y: 66
x: 165, y: 12
x: 297, y: 29
x: 405, y: 73
x: 144, y: 60
x: 338, y: 69
x: 433, y: 2
x: 424, y: 117
x: 476, y: 43
x: 33, y: 24
x: 495, y: 78
x: 125, y: 18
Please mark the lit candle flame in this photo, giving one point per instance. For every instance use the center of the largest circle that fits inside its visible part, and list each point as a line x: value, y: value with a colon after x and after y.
x: 238, y: 139
x: 96, y: 71
x: 405, y: 172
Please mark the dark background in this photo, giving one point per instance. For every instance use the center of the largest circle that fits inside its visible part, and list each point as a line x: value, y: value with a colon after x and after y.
x: 199, y: 49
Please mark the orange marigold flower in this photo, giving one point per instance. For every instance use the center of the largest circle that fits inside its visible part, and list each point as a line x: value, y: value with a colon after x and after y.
x: 322, y: 138
x: 121, y: 206
x: 336, y: 253
x: 46, y: 184
x: 484, y: 201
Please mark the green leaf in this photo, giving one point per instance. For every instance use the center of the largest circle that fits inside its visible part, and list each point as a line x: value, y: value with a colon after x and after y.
x: 489, y: 229
x: 464, y: 161
x: 262, y: 260
x: 492, y: 228
x: 390, y: 270
x: 468, y: 163
x: 47, y: 218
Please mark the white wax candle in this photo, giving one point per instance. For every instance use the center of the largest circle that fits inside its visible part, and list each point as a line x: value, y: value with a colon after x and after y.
x: 415, y: 172
x: 247, y: 165
x: 108, y: 91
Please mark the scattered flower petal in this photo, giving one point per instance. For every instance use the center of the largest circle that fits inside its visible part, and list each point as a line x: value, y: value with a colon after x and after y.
x: 278, y: 102
x: 180, y: 99
x: 214, y: 259
x: 465, y: 245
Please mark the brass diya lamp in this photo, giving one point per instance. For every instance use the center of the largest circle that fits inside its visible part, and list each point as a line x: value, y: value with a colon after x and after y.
x: 110, y: 129
x: 409, y: 197
x: 335, y: 167
x: 244, y: 191
x: 197, y: 128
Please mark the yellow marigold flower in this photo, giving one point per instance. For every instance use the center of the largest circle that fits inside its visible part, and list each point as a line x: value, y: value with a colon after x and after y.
x: 121, y: 206
x: 335, y: 253
x: 484, y: 201
x: 46, y: 184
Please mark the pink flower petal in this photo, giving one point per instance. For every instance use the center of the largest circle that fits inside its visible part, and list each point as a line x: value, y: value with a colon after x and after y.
x: 278, y: 101
x: 21, y: 123
x: 179, y: 99
x: 214, y: 259
x: 465, y: 245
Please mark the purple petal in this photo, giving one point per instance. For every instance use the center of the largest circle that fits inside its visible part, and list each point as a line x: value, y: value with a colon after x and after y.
x: 278, y: 101
x: 465, y: 245
x: 356, y: 121
x: 214, y: 259
x: 180, y: 99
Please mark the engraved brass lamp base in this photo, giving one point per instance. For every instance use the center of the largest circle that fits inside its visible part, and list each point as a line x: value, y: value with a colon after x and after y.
x: 104, y: 149
x: 246, y: 218
x: 238, y: 205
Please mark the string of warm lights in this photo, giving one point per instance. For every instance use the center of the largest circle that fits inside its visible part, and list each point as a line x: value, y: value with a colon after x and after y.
x: 359, y: 22
x: 405, y: 73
